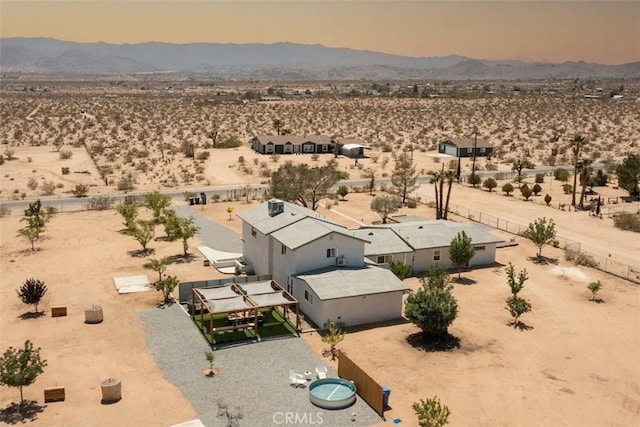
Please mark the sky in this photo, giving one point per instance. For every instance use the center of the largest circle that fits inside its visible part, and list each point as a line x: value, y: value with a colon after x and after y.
x: 605, y: 31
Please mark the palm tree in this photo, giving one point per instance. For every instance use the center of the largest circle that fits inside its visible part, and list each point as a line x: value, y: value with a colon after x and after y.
x: 577, y: 141
x: 278, y: 124
x: 449, y: 175
x: 586, y: 170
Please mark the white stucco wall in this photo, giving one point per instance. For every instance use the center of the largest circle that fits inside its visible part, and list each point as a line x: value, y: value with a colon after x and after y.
x: 255, y: 249
x: 422, y: 259
x: 314, y: 255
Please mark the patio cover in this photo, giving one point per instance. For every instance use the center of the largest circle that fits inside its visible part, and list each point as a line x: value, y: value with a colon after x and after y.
x: 227, y: 305
x: 217, y: 293
x: 272, y: 299
x: 257, y: 288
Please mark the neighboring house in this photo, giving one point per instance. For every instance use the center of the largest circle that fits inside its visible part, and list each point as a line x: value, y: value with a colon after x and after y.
x: 292, y: 144
x: 464, y: 147
x: 291, y: 242
x: 421, y: 244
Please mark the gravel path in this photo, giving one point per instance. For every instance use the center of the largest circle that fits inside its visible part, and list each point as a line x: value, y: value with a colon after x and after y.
x: 254, y: 376
x: 212, y: 234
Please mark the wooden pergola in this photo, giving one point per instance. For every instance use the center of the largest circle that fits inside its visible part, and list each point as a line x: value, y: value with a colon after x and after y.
x: 241, y: 303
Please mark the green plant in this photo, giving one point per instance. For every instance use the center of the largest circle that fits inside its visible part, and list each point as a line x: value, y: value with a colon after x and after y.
x: 342, y: 191
x: 80, y: 190
x: 516, y: 306
x: 400, y: 269
x: 507, y: 188
x: 36, y: 218
x: 474, y: 179
x: 526, y: 191
x: 431, y: 413
x: 580, y: 258
x: 539, y: 178
x: 629, y: 174
x: 65, y: 170
x: 333, y: 337
x: 100, y: 203
x: 536, y: 189
x: 490, y: 184
x: 31, y: 292
x: 143, y: 232
x: 65, y: 154
x: 461, y: 251
x: 385, y: 206
x: 594, y: 287
x: 541, y: 233
x: 547, y: 199
x: 433, y: 307
x: 158, y: 265
x: 166, y: 286
x: 129, y: 212
x: 21, y: 367
x: 210, y: 359
x: 567, y: 188
x: 627, y: 221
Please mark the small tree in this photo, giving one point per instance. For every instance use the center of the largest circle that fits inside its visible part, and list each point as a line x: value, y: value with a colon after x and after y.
x: 21, y: 367
x: 166, y: 286
x: 158, y: 265
x: 461, y: 251
x: 474, y: 179
x: 431, y: 413
x: 547, y: 199
x: 490, y: 184
x: 404, y: 177
x: 526, y: 191
x: 31, y: 292
x: 143, y: 232
x: 433, y: 308
x: 541, y: 233
x: 400, y: 269
x: 594, y: 287
x: 333, y: 337
x: 515, y: 305
x: 536, y: 189
x: 210, y: 358
x: 157, y: 202
x: 36, y: 217
x: 385, y: 206
x: 129, y: 212
x: 182, y: 228
x: 80, y: 190
x: 343, y: 190
x: 230, y: 211
x: 507, y: 188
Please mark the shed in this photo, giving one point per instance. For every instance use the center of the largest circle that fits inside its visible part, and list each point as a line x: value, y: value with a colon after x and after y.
x: 465, y: 147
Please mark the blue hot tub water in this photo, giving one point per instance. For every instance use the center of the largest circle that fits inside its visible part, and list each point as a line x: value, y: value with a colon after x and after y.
x: 332, y: 393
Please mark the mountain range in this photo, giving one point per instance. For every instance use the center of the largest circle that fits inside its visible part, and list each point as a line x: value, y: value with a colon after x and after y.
x: 277, y: 61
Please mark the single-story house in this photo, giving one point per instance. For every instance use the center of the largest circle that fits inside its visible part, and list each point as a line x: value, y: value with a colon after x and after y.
x: 350, y: 295
x: 464, y: 147
x: 421, y: 244
x: 292, y: 144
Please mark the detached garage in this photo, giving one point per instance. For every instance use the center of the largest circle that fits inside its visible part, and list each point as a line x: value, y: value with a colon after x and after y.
x: 349, y: 296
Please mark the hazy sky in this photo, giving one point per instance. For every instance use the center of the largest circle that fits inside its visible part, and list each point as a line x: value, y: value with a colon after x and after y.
x: 555, y: 31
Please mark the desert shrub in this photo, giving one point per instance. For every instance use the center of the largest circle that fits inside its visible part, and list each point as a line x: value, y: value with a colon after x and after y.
x: 48, y: 188
x: 499, y: 176
x: 627, y: 221
x: 431, y: 413
x: 100, y: 203
x: 474, y: 179
x: 547, y: 199
x: 203, y: 155
x: 1, y: 159
x: 490, y: 184
x: 412, y: 204
x: 126, y: 183
x: 32, y: 184
x: 230, y: 142
x: 567, y: 188
x: 539, y: 178
x: 491, y: 166
x: 561, y: 174
x: 80, y: 190
x: 507, y: 188
x: 65, y: 171
x: 65, y: 154
x: 401, y: 270
x: 526, y: 191
x: 315, y: 157
x: 4, y: 211
x: 580, y: 258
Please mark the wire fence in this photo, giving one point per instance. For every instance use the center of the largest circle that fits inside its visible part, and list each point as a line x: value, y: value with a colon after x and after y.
x: 580, y: 256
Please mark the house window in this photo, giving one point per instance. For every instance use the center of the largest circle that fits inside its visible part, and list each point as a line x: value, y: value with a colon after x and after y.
x: 308, y: 148
x: 483, y: 150
x: 331, y: 253
x: 442, y: 147
x: 253, y: 232
x: 308, y: 296
x: 436, y: 255
x: 384, y: 259
x: 480, y: 248
x: 469, y: 150
x: 284, y: 250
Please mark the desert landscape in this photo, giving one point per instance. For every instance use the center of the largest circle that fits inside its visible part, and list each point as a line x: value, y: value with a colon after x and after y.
x: 574, y: 364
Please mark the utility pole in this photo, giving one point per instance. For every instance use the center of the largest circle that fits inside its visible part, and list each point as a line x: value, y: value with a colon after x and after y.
x: 475, y: 143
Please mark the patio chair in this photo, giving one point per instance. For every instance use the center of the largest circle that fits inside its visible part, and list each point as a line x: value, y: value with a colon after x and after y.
x: 296, y: 380
x: 321, y: 371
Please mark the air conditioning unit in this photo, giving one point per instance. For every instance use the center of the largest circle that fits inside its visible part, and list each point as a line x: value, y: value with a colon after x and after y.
x: 341, y: 262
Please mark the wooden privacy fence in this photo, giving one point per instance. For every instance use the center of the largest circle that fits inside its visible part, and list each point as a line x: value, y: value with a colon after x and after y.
x: 367, y: 387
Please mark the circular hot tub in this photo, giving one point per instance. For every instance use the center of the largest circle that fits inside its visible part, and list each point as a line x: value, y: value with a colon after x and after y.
x: 332, y: 393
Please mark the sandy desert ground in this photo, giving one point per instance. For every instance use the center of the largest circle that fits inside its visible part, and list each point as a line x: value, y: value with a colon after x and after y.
x: 576, y: 366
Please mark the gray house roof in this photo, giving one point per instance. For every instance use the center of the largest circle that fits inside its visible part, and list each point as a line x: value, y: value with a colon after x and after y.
x: 439, y: 233
x: 382, y: 241
x: 469, y: 142
x: 293, y: 139
x: 343, y: 282
x: 307, y: 230
x: 259, y: 218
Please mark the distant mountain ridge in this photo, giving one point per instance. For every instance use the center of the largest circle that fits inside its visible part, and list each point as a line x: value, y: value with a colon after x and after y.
x: 277, y: 61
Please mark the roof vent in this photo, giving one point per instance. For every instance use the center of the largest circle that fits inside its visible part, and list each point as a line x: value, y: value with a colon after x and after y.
x: 371, y: 233
x: 275, y: 207
x: 420, y: 228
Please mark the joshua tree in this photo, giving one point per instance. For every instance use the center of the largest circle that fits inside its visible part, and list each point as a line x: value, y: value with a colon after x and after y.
x: 577, y: 141
x: 278, y: 125
x: 586, y: 172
